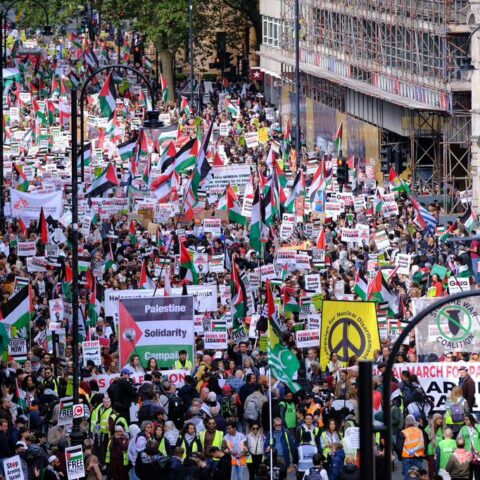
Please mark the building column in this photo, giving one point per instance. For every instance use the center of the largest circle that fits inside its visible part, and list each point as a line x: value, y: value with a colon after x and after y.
x: 473, y: 20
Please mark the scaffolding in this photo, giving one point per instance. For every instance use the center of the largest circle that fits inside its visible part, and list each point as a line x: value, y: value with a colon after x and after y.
x: 403, y: 51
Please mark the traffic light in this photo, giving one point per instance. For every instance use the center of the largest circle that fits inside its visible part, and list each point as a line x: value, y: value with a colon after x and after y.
x: 386, y: 159
x: 137, y: 55
x: 399, y: 154
x: 91, y: 29
x: 342, y: 171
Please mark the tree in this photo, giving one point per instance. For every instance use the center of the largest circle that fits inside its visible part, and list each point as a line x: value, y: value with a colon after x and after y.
x: 250, y: 9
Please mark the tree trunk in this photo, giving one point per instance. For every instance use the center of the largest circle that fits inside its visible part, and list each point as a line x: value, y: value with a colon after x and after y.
x: 166, y: 59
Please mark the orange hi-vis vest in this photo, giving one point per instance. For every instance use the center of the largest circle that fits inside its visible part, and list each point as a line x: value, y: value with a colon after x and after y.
x: 413, y: 439
x: 236, y: 462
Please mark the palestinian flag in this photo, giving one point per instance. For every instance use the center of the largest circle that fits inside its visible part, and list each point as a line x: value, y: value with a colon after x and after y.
x: 361, y: 286
x: 379, y: 292
x: 378, y: 201
x: 189, y: 272
x: 108, y: 98
x: 449, y: 232
x: 127, y: 148
x: 67, y: 279
x: 147, y: 64
x: 42, y: 228
x: 168, y: 133
x: 163, y: 82
x: 232, y: 108
x: 185, y: 107
x: 87, y: 155
x: 287, y: 136
x: 238, y: 302
x: 95, y: 300
x: 20, y: 181
x: 234, y: 211
x: 202, y: 168
x: 146, y: 282
x: 289, y: 303
x: 186, y: 156
x: 318, y: 182
x: 105, y: 181
x: 17, y: 311
x: 256, y: 227
x: 91, y: 58
x: 469, y: 219
x: 397, y: 184
x: 298, y: 188
x: 321, y: 242
x: 338, y: 139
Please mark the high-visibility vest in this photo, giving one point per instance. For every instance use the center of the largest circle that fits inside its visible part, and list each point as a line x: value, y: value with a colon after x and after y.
x: 236, y: 462
x: 101, y: 418
x: 217, y: 439
x: 107, y: 456
x: 161, y: 447
x: 326, y: 441
x: 290, y: 414
x: 122, y: 421
x: 189, y: 450
x: 177, y: 365
x: 413, y: 439
x: 446, y: 446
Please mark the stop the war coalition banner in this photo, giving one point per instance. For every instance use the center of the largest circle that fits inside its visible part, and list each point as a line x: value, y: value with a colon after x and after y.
x: 156, y: 327
x: 439, y: 378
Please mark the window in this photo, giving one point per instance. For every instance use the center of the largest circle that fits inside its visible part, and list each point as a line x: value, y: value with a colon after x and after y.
x: 271, y: 31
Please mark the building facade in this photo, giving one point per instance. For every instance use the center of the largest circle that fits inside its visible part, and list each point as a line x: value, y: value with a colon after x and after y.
x: 389, y: 71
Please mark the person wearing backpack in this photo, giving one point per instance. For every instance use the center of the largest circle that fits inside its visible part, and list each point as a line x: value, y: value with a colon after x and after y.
x: 471, y: 434
x: 288, y: 412
x: 456, y: 408
x: 253, y: 406
x: 317, y: 472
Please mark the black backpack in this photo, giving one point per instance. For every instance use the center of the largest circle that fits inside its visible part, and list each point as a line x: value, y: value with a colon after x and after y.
x: 315, y: 473
x: 176, y: 410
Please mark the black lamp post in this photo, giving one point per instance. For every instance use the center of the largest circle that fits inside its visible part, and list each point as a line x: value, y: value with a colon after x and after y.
x: 190, y: 48
x: 152, y: 122
x: 47, y: 30
x: 365, y: 392
x: 152, y: 117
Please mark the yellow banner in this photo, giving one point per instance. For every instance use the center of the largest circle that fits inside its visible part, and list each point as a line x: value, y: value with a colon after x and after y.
x: 348, y: 328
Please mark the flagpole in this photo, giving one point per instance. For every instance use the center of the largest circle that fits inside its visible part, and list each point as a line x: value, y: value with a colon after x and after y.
x: 270, y: 414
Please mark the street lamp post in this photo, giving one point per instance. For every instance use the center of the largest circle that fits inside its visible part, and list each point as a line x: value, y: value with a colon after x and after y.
x: 47, y: 29
x: 3, y: 45
x: 297, y: 78
x: 152, y: 116
x: 190, y: 47
x: 152, y: 122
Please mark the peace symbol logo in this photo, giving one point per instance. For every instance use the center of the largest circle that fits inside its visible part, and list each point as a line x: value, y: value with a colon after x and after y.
x: 454, y: 322
x: 346, y: 338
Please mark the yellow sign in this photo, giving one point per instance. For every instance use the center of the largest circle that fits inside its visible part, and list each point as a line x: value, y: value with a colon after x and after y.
x: 263, y: 135
x: 348, y: 328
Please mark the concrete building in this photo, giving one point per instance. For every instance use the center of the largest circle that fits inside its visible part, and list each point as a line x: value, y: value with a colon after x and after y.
x: 389, y: 71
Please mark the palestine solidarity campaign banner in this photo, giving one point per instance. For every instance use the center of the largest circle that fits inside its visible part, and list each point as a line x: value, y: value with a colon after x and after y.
x: 156, y: 327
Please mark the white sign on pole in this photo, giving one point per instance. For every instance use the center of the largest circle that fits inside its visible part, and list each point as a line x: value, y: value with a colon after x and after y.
x: 307, y: 338
x: 13, y: 468
x: 215, y: 340
x: 457, y: 284
x: 75, y: 462
x: 17, y: 347
x: 91, y: 351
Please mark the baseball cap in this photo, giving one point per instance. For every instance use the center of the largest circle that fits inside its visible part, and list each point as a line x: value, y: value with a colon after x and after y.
x: 126, y: 371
